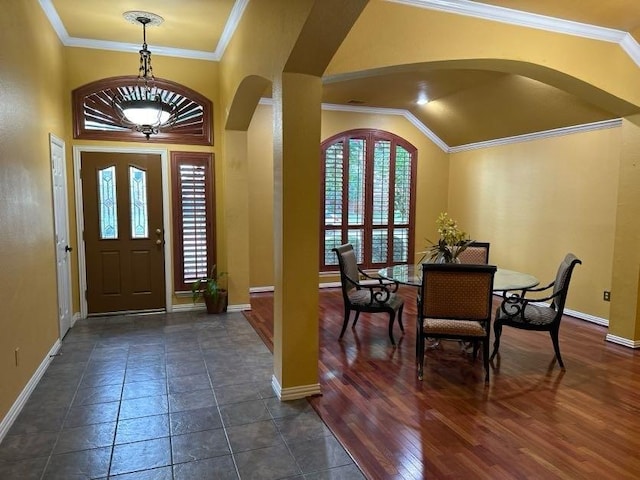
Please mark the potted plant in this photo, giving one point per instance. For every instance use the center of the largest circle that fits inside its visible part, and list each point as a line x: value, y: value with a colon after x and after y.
x: 212, y: 291
x: 452, y: 242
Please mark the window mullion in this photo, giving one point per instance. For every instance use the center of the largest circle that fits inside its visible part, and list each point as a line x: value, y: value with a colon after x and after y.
x: 368, y: 203
x: 392, y: 202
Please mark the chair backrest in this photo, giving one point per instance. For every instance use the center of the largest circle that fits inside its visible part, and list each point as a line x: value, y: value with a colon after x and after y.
x: 457, y: 291
x: 563, y: 277
x: 476, y: 253
x: 348, y: 266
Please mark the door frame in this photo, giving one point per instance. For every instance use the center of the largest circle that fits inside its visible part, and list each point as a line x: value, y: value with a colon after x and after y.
x: 166, y: 218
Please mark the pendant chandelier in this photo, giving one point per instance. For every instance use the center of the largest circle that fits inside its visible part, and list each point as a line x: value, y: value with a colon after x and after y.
x: 141, y: 106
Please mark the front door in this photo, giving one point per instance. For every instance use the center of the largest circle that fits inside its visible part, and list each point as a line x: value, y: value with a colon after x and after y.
x: 123, y: 234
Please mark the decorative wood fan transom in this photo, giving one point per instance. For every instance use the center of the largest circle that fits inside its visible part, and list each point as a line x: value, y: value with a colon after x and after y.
x: 95, y: 118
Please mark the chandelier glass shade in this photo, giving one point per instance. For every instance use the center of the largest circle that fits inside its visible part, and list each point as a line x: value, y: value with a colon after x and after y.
x: 140, y: 106
x: 146, y: 112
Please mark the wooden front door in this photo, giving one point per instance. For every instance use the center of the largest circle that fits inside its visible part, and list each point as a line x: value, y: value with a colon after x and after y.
x: 123, y: 232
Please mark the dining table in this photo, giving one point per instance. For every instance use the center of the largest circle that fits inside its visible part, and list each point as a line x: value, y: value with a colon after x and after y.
x: 504, y: 280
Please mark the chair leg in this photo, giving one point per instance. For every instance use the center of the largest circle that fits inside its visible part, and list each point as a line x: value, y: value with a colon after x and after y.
x: 400, y: 318
x: 419, y: 351
x: 392, y: 317
x: 556, y: 347
x: 346, y: 321
x: 420, y: 359
x: 485, y: 359
x: 355, y: 320
x: 497, y: 330
x: 475, y: 350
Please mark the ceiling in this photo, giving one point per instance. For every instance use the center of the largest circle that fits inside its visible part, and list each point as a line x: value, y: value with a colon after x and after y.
x: 202, y: 28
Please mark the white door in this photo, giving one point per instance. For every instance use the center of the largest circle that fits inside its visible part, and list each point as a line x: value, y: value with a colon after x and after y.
x: 61, y: 226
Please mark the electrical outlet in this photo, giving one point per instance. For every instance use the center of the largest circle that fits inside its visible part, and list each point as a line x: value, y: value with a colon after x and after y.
x: 606, y: 296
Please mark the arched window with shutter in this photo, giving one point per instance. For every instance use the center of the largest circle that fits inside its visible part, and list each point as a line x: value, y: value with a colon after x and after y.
x: 95, y: 118
x: 368, y: 198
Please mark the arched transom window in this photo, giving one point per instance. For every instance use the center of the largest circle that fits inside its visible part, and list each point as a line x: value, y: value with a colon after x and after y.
x: 95, y: 117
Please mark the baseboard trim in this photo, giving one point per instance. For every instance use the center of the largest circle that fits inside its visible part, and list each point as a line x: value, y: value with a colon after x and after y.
x: 191, y: 307
x: 17, y: 406
x: 261, y: 289
x: 272, y: 289
x: 74, y: 319
x: 589, y: 318
x: 625, y: 342
x: 294, y: 393
x: 187, y: 307
x: 240, y: 307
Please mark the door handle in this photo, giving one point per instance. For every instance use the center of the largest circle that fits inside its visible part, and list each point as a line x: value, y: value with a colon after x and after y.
x: 67, y: 248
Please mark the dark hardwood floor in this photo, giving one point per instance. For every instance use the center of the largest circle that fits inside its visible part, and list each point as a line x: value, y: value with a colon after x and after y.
x: 534, y: 421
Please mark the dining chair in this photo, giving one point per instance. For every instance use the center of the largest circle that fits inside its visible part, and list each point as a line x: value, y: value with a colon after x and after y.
x: 519, y: 310
x: 364, y: 293
x: 476, y: 253
x: 455, y: 303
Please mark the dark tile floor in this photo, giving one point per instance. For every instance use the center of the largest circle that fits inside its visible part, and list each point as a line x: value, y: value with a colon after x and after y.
x: 167, y: 396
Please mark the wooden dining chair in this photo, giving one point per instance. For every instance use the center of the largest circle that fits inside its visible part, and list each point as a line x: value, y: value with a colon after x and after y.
x: 376, y: 296
x: 455, y: 303
x: 521, y: 310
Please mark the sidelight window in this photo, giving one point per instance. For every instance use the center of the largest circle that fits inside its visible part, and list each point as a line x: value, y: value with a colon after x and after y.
x: 193, y: 216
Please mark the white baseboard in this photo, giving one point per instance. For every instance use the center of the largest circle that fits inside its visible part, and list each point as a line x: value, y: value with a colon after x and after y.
x: 191, y: 307
x: 240, y: 307
x: 17, y: 406
x: 261, y: 289
x: 294, y: 393
x: 187, y: 307
x: 271, y: 288
x: 585, y: 316
x: 626, y: 342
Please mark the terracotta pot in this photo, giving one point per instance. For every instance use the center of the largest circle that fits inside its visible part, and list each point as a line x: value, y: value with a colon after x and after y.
x: 217, y: 304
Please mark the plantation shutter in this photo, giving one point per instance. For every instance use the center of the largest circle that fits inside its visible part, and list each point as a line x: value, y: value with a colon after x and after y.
x: 193, y: 232
x: 368, y: 198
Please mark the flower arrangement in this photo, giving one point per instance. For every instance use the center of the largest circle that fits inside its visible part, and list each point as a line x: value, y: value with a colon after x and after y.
x: 452, y: 242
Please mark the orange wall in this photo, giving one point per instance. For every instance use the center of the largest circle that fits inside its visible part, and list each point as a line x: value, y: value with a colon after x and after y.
x: 535, y: 201
x: 33, y: 93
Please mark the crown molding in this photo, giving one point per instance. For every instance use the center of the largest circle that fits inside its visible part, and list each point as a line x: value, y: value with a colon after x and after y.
x: 232, y: 23
x: 135, y: 48
x: 229, y: 29
x: 557, y: 132
x: 390, y: 111
x: 531, y: 20
x: 459, y: 7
